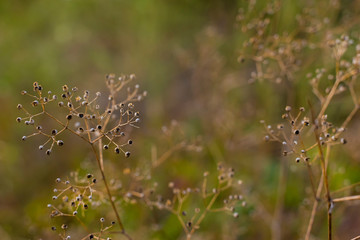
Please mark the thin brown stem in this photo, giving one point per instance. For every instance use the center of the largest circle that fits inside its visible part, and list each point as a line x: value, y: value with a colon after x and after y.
x: 349, y: 198
x: 324, y: 171
x: 109, y: 192
x: 276, y: 219
x: 202, y: 216
x: 317, y: 199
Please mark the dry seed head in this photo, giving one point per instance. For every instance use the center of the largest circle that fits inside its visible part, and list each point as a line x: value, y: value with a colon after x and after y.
x: 266, y: 138
x: 306, y: 122
x: 35, y: 103
x: 132, y: 76
x: 64, y: 226
x: 117, y: 150
x: 131, y: 105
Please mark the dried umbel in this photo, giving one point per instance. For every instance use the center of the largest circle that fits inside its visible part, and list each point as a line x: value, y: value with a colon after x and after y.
x: 73, y: 198
x: 102, y: 123
x: 306, y: 134
x: 278, y: 52
x: 293, y: 135
x: 83, y: 116
x: 105, y: 126
x: 208, y: 197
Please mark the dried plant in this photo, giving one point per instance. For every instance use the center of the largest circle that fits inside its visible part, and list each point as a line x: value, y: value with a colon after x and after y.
x: 105, y: 124
x: 191, y: 220
x: 312, y: 134
x: 308, y: 48
x: 102, y: 128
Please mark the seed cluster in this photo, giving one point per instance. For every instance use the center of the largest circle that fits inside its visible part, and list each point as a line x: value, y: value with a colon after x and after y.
x: 84, y: 117
x: 278, y: 55
x: 74, y: 197
x: 190, y: 219
x: 293, y: 134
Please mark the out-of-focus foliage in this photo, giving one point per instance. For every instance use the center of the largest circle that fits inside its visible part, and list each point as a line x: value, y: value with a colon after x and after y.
x: 198, y: 63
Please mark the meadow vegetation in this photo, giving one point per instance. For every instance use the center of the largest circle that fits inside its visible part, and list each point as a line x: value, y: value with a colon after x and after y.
x: 240, y: 123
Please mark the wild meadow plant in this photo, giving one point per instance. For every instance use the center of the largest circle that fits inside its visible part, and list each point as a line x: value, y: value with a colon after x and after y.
x: 314, y: 48
x: 105, y: 123
x: 307, y: 134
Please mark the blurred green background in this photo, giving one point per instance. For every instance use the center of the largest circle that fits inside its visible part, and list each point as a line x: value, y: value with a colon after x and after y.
x: 184, y: 53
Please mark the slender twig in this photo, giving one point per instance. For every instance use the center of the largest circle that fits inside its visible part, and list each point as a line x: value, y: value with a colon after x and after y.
x: 356, y: 238
x: 202, y: 216
x: 109, y: 192
x: 276, y: 219
x: 318, y: 194
x: 349, y: 198
x: 324, y: 171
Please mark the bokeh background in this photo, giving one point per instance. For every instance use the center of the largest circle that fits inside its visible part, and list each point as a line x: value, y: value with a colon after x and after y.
x: 185, y: 54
